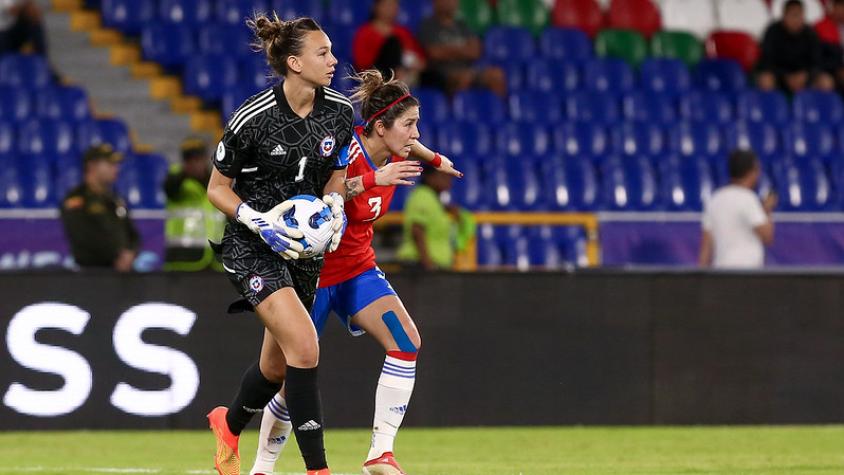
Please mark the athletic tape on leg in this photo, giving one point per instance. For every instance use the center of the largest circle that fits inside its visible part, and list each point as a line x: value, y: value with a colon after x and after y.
x: 394, y: 325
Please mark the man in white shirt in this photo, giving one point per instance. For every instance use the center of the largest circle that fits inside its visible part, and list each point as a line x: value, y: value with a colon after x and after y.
x: 736, y: 224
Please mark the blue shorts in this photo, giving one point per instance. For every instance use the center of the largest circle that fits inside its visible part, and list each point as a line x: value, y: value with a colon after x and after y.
x: 350, y: 297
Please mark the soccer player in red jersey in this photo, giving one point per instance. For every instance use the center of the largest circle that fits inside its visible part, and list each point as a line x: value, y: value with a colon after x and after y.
x: 351, y: 284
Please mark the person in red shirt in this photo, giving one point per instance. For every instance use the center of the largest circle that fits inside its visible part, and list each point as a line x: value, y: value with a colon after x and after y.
x: 351, y: 284
x: 387, y: 46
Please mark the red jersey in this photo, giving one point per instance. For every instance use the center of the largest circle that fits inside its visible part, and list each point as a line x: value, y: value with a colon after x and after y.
x: 355, y: 254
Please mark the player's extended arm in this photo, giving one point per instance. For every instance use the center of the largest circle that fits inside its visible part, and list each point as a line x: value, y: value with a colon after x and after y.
x: 438, y: 161
x: 395, y: 173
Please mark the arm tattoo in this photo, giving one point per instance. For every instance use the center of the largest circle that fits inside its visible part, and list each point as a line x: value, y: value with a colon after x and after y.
x: 354, y: 187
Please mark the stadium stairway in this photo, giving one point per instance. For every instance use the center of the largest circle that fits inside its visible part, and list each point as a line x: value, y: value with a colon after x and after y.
x: 117, y: 86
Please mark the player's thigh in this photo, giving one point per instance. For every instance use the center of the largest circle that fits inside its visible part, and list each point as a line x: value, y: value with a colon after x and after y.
x: 388, y: 321
x: 272, y: 362
x: 286, y: 318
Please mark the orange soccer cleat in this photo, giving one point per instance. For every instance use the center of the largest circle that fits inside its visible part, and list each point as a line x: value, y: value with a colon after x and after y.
x: 227, y: 458
x: 384, y: 465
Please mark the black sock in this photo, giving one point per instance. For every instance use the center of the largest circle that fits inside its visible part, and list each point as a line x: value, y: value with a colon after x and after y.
x: 303, y: 403
x: 255, y: 392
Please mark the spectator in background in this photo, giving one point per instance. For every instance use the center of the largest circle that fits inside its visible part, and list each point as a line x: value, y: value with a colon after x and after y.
x: 736, y: 225
x: 452, y: 50
x: 830, y: 31
x: 191, y: 219
x: 96, y: 220
x: 433, y: 232
x: 21, y: 22
x: 791, y: 54
x: 386, y: 46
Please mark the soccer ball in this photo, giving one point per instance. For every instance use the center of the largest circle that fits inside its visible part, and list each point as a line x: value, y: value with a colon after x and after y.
x: 313, y: 217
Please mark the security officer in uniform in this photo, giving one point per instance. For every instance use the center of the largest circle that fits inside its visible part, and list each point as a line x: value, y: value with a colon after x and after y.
x: 96, y: 220
x: 192, y: 220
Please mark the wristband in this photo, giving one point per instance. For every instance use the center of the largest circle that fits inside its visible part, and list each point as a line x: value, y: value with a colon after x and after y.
x: 368, y: 180
x: 437, y: 161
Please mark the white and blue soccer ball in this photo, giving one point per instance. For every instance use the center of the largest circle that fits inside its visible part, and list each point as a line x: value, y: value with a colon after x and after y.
x: 313, y: 217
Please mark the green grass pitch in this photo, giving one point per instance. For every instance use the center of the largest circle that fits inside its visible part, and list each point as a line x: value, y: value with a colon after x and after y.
x: 812, y: 450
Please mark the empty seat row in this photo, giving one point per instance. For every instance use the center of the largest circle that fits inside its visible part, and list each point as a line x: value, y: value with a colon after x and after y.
x: 60, y: 137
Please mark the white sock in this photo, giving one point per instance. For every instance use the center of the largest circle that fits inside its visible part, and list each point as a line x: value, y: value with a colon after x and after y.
x: 275, y: 431
x: 391, y: 398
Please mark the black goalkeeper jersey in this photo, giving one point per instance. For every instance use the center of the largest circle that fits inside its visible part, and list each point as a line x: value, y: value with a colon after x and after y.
x: 273, y: 154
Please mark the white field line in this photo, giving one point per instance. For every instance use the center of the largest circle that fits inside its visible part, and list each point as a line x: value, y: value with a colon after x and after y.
x: 130, y: 470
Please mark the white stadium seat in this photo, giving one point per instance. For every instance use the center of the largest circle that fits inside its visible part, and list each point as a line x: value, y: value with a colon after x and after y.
x: 815, y: 10
x: 694, y: 16
x: 749, y: 16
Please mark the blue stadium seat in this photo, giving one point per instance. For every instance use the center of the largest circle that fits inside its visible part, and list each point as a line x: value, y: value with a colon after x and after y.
x: 226, y: 40
x: 590, y: 106
x: 153, y: 171
x: 67, y: 103
x: 514, y: 245
x: 608, y: 75
x: 649, y: 107
x: 469, y: 191
x: 524, y: 184
x: 478, y: 105
x: 508, y: 44
x: 762, y: 106
x: 255, y: 72
x: 706, y: 106
x: 535, y: 107
x: 46, y: 137
x: 818, y: 107
x: 639, y: 138
x: 573, y: 242
x: 809, y: 140
x: 8, y: 140
x: 686, y: 183
x: 11, y: 189
x: 472, y: 141
x: 803, y: 185
x: 720, y: 75
x: 24, y: 71
x: 630, y: 184
x: 128, y: 16
x: 235, y: 12
x: 523, y: 143
x: 289, y: 9
x: 15, y: 104
x: 342, y: 38
x: 36, y: 180
x: 168, y: 45
x: 185, y: 12
x: 545, y: 250
x: 412, y: 13
x: 209, y: 76
x: 552, y: 75
x: 68, y: 174
x: 515, y: 73
x: 489, y: 252
x: 115, y: 132
x: 665, y: 76
x: 129, y: 184
x: 762, y: 138
x: 570, y: 184
x: 567, y: 44
x: 581, y: 140
x: 693, y: 139
x: 348, y: 13
x: 435, y: 105
x: 429, y: 133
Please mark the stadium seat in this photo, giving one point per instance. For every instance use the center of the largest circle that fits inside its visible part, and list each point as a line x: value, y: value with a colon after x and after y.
x: 665, y: 76
x: 514, y: 246
x: 749, y: 16
x: 529, y: 14
x: 489, y: 252
x: 814, y: 10
x: 588, y: 106
x: 818, y: 107
x: 15, y: 104
x: 225, y: 40
x: 342, y: 37
x: 185, y: 12
x: 514, y: 71
x: 629, y: 184
x: 803, y: 185
x: 255, y: 72
x: 639, y: 15
x: 567, y: 44
x: 24, y: 71
x: 545, y: 250
x: 68, y: 174
x: 288, y: 9
x: 469, y: 191
x: 36, y: 181
x: 349, y: 13
x: 115, y: 132
x: 233, y: 97
x: 478, y: 105
x: 581, y: 140
x: 695, y: 16
x: 435, y: 106
x: 639, y: 139
x: 534, y: 106
x: 763, y: 106
x: 570, y: 184
x: 129, y: 184
x: 235, y: 12
x: 677, y: 45
x: 686, y: 183
x: 527, y: 144
x: 8, y: 141
x: 128, y: 16
x: 720, y: 75
x: 153, y: 171
x: 46, y: 137
x: 801, y: 140
x: 639, y: 106
x: 628, y: 45
x: 209, y: 76
x: 736, y: 45
x: 168, y: 45
x: 585, y: 15
x: 696, y: 139
x: 523, y: 183
x: 68, y: 103
x: 11, y: 190
x: 412, y: 13
x: 552, y: 75
x: 706, y: 106
x: 762, y: 138
x: 608, y: 75
x: 508, y: 43
x: 573, y: 242
x: 467, y: 141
